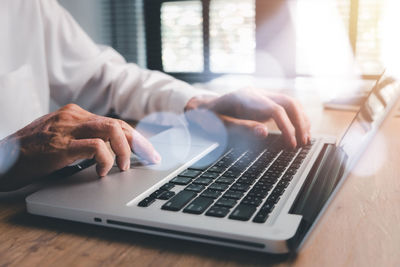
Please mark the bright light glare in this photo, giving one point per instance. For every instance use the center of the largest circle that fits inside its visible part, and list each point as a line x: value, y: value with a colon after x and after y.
x: 323, y: 47
x: 390, y: 50
x: 182, y: 36
x: 174, y: 147
x: 232, y: 36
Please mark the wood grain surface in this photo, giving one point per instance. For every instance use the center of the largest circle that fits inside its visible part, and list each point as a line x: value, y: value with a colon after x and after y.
x: 360, y: 227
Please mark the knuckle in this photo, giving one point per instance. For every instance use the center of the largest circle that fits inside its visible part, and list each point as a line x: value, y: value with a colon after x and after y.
x: 64, y: 115
x: 113, y: 125
x: 70, y: 106
x: 290, y: 101
x: 97, y: 144
x: 67, y: 112
x: 293, y: 102
x: 278, y: 110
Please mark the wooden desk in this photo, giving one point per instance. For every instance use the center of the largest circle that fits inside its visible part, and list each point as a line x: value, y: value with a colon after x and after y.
x: 360, y: 227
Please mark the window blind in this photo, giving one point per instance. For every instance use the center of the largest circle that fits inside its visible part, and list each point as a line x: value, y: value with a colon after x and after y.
x: 124, y: 28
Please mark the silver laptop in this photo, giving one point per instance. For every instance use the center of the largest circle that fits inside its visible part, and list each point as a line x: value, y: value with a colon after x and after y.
x: 259, y: 196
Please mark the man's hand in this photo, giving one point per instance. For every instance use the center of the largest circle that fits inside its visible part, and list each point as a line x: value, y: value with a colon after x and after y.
x: 248, y: 110
x: 67, y: 135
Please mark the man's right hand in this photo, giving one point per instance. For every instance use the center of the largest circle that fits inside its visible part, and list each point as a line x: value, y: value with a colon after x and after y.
x: 67, y: 135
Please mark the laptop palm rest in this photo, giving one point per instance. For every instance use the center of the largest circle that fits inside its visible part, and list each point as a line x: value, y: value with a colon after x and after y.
x: 86, y: 190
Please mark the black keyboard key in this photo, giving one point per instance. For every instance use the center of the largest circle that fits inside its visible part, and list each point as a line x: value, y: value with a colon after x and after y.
x: 181, y: 180
x: 266, y: 187
x: 179, y: 200
x: 231, y: 174
x: 211, y: 193
x: 167, y: 186
x: 236, y: 169
x: 294, y: 166
x: 216, y: 169
x: 201, y: 165
x: 146, y: 202
x: 267, y: 207
x: 246, y: 180
x: 293, y: 172
x: 211, y: 175
x: 273, y: 198
x: 225, y: 180
x: 190, y: 173
x: 219, y: 187
x: 278, y: 190
x: 195, y: 187
x: 261, y: 217
x: 233, y: 194
x: 157, y: 193
x: 258, y: 193
x: 202, y: 181
x: 240, y: 187
x: 287, y: 177
x: 166, y: 195
x: 223, y: 163
x: 226, y: 202
x: 217, y: 211
x: 283, y: 183
x: 242, y: 212
x: 199, y: 205
x: 253, y: 201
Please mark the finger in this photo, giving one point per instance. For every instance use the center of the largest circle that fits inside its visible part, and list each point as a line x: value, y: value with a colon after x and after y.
x: 143, y: 148
x: 127, y: 129
x: 246, y: 127
x: 92, y: 148
x: 139, y: 144
x: 284, y: 124
x: 108, y: 130
x: 296, y: 115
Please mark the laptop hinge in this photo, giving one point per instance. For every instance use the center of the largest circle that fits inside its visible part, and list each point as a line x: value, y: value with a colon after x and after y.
x: 317, y: 188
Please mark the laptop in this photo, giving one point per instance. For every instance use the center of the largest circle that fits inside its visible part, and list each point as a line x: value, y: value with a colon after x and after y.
x: 259, y: 196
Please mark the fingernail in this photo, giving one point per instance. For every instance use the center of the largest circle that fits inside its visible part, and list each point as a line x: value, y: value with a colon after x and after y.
x: 156, y: 157
x: 305, y: 139
x: 101, y: 171
x: 127, y: 165
x: 261, y: 131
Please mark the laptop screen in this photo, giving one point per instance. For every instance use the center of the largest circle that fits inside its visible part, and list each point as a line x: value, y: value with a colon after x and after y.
x: 371, y: 114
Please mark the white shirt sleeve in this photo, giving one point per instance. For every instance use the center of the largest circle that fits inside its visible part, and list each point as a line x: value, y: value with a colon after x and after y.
x: 98, y: 78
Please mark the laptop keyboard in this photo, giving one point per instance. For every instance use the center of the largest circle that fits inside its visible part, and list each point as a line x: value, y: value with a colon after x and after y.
x: 243, y: 184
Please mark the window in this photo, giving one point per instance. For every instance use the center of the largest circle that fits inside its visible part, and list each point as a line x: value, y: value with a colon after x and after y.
x: 368, y: 39
x: 182, y: 36
x: 232, y: 36
x: 197, y: 40
x: 370, y: 26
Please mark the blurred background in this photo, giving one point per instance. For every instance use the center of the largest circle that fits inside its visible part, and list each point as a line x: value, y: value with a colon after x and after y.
x: 199, y: 40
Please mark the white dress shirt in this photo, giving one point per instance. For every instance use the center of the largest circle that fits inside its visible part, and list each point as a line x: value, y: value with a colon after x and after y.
x: 45, y: 54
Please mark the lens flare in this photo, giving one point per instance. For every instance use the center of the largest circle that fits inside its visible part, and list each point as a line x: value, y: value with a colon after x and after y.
x: 191, y: 134
x: 173, y: 145
x: 373, y: 159
x: 391, y: 40
x: 206, y: 125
